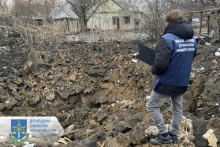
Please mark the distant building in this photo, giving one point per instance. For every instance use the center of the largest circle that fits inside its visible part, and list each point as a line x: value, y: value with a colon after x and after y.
x: 66, y: 18
x: 30, y: 13
x: 109, y: 15
x: 35, y: 17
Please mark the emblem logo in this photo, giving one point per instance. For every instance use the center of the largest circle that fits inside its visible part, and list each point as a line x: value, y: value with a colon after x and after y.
x: 18, y: 131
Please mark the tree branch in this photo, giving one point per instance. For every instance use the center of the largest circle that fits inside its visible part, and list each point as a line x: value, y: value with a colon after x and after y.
x: 94, y: 11
x: 74, y: 7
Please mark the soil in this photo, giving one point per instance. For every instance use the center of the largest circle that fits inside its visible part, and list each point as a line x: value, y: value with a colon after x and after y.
x: 99, y: 89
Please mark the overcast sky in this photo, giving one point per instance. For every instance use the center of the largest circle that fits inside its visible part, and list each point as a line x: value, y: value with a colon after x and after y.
x: 140, y: 4
x: 10, y: 2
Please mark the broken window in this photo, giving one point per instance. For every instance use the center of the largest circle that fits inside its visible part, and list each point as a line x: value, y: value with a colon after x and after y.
x: 136, y: 22
x: 67, y: 24
x: 114, y: 20
x: 77, y: 25
x: 127, y: 19
x: 39, y: 22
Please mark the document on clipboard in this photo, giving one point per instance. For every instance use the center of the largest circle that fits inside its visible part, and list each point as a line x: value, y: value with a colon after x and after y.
x: 146, y: 54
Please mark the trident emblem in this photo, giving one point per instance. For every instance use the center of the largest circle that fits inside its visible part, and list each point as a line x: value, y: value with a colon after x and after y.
x: 18, y: 131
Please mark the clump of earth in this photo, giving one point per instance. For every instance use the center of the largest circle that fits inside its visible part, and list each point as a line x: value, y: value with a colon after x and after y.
x: 98, y: 91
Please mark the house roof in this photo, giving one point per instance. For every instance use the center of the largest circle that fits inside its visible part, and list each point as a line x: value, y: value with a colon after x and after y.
x: 103, y: 1
x: 118, y: 4
x: 63, y: 11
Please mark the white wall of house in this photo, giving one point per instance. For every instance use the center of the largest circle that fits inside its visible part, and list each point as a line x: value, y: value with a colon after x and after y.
x: 126, y: 20
x: 103, y: 21
x: 107, y: 6
x: 103, y: 18
x: 74, y: 26
x: 138, y: 16
x: 130, y: 20
x: 67, y: 26
x: 66, y: 19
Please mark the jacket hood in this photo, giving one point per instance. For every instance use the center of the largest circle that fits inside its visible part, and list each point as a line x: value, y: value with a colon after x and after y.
x: 180, y: 28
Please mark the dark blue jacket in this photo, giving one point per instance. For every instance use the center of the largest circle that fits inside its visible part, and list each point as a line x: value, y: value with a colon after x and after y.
x: 182, y: 55
x: 174, y: 55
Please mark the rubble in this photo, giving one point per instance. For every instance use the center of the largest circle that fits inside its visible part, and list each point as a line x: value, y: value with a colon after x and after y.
x: 185, y: 135
x: 210, y: 136
x: 217, y: 54
x: 99, y: 94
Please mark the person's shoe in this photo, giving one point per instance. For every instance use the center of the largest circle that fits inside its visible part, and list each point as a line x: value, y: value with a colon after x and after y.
x: 174, y: 138
x: 161, y: 140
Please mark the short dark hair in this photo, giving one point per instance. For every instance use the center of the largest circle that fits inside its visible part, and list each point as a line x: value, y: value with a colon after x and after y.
x: 174, y: 15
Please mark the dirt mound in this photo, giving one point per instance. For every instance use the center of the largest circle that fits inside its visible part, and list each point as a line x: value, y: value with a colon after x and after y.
x: 98, y: 92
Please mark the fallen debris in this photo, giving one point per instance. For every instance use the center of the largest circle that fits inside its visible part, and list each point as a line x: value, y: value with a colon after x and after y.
x: 211, y: 138
x: 92, y: 89
x: 217, y: 54
x: 185, y: 135
x: 134, y: 60
x: 64, y: 140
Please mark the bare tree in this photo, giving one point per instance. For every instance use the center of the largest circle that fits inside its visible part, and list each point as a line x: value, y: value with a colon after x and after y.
x: 129, y: 4
x: 13, y: 25
x: 3, y: 5
x: 49, y: 5
x: 81, y: 8
x: 194, y: 5
x: 155, y: 11
x: 30, y: 9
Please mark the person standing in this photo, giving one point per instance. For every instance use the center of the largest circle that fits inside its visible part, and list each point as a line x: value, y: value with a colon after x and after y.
x: 175, y: 52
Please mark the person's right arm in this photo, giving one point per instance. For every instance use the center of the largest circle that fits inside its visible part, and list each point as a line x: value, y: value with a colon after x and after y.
x: 163, y: 54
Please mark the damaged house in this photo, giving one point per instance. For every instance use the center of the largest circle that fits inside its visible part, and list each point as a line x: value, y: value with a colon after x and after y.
x: 109, y: 15
x: 66, y: 18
